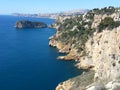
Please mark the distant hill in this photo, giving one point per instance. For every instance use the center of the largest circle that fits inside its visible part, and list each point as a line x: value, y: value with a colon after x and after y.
x: 76, y: 11
x: 54, y: 15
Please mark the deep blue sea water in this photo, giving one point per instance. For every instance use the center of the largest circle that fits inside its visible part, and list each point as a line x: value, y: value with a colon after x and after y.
x: 26, y: 60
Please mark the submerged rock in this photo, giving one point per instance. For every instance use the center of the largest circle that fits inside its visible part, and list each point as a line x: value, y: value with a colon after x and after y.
x: 29, y: 24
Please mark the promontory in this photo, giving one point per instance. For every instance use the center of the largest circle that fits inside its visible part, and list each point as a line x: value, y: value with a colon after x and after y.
x: 93, y: 40
x: 29, y: 24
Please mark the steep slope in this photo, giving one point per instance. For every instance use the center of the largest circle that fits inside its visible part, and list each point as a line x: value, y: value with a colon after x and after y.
x: 93, y: 39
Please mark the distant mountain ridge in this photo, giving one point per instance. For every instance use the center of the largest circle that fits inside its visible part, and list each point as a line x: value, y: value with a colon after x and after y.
x: 54, y: 15
x: 76, y: 11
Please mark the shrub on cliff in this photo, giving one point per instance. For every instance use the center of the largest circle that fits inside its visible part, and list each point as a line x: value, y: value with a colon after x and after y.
x: 106, y: 10
x: 76, y: 30
x: 108, y: 23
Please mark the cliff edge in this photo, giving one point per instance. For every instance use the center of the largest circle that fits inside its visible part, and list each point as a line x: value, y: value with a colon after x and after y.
x: 92, y: 39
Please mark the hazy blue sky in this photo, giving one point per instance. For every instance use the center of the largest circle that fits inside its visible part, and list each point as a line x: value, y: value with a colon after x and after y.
x: 43, y: 6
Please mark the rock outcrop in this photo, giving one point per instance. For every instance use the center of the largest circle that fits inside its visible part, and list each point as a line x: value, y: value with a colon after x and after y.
x: 77, y: 83
x: 105, y: 56
x: 29, y: 24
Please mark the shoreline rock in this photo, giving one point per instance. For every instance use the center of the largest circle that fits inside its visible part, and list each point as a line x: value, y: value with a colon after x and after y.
x: 77, y: 83
x: 95, y: 44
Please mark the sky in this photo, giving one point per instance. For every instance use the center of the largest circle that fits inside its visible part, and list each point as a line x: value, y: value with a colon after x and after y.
x: 51, y: 6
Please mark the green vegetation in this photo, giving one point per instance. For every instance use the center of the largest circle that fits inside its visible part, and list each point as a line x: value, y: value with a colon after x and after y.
x: 106, y: 10
x: 78, y: 29
x: 108, y: 23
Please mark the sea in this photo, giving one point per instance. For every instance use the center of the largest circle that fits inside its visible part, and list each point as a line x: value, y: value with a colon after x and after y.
x: 27, y: 62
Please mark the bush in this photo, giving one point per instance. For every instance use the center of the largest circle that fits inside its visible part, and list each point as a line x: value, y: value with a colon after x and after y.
x: 108, y: 23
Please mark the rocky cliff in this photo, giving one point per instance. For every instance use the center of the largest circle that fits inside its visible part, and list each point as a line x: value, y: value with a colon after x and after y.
x: 93, y: 39
x: 29, y: 24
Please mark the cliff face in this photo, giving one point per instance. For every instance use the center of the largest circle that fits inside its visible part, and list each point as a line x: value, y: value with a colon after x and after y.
x: 105, y: 54
x: 94, y: 40
x: 29, y: 24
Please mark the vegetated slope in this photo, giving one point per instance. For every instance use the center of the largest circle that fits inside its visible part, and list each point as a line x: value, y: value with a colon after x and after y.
x: 94, y: 40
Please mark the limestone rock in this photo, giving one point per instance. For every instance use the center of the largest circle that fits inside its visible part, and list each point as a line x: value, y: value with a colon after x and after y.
x: 64, y: 85
x: 99, y: 51
x: 105, y: 53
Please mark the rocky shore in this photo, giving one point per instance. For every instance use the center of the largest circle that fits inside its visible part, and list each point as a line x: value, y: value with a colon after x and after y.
x: 93, y: 39
x: 29, y: 24
x: 77, y: 83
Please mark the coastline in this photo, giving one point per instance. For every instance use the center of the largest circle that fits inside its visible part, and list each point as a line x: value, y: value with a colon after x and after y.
x: 99, y: 48
x: 34, y: 17
x: 31, y: 57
